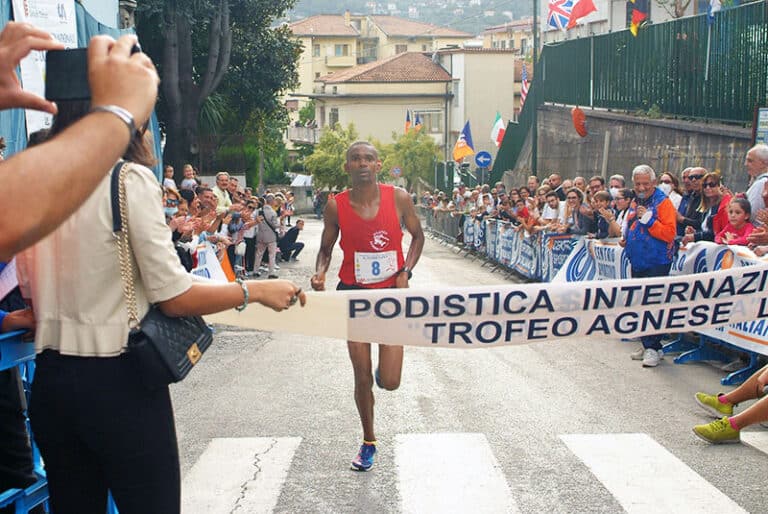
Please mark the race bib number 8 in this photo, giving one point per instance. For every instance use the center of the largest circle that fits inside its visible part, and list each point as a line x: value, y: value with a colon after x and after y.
x: 373, y: 267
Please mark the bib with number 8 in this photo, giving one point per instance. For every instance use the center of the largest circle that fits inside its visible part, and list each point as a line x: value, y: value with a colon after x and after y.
x: 373, y: 267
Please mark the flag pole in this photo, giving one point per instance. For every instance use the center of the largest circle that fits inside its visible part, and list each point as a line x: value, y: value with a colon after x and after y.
x: 709, y: 44
x: 535, y: 124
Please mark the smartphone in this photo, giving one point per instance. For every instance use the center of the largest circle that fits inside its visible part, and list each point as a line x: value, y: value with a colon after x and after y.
x: 66, y: 75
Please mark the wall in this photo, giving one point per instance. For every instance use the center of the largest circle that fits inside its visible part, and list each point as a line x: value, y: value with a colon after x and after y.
x: 666, y: 145
x: 377, y: 117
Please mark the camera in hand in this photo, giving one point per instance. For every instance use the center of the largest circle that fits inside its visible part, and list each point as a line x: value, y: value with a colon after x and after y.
x: 66, y: 74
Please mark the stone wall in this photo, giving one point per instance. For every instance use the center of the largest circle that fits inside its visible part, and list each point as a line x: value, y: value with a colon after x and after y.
x: 666, y: 145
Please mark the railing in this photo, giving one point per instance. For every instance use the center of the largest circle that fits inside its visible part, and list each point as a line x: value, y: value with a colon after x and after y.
x: 304, y: 135
x: 685, y: 67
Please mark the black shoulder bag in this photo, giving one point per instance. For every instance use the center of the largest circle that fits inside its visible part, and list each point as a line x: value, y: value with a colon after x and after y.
x: 164, y: 348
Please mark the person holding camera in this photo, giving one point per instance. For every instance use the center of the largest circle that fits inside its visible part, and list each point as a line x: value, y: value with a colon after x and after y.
x: 71, y: 165
x: 99, y: 427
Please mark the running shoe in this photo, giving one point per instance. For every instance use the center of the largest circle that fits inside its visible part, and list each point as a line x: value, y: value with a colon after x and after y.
x: 364, y: 459
x: 713, y: 406
x: 718, y: 432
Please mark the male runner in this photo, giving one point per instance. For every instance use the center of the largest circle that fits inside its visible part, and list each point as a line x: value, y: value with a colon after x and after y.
x: 368, y: 215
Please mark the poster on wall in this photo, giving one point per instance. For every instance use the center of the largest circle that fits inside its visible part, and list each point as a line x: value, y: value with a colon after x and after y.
x: 56, y: 17
x: 761, y: 126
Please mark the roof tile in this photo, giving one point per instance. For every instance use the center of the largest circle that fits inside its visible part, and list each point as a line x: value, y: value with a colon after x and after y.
x: 404, y: 67
x: 323, y: 25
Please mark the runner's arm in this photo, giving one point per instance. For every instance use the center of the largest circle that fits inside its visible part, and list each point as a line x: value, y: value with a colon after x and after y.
x: 327, y: 241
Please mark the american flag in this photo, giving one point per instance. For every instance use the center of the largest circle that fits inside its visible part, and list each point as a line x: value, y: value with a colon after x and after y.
x: 523, y: 87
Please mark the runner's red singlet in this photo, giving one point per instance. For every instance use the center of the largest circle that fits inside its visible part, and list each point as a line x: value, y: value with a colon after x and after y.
x: 373, y: 250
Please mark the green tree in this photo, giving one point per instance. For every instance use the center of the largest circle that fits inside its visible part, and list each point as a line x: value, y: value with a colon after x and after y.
x: 307, y: 112
x: 414, y: 153
x: 197, y: 44
x: 326, y: 164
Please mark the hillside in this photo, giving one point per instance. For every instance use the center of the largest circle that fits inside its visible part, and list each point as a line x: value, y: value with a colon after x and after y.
x: 471, y: 16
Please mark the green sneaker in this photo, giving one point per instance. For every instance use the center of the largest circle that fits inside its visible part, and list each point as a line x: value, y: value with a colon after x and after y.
x: 712, y: 405
x: 717, y: 432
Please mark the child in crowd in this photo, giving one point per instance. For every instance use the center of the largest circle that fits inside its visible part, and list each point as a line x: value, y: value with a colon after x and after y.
x: 603, y: 215
x: 738, y: 228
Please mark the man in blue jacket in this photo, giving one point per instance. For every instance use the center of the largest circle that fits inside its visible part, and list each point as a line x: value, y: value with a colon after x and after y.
x: 649, y: 244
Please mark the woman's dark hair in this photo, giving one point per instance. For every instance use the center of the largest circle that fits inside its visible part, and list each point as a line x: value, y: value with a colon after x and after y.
x: 627, y: 193
x: 139, y: 149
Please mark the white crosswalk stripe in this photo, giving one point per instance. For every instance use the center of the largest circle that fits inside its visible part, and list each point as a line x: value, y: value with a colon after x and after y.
x: 646, y: 478
x: 450, y: 473
x: 238, y: 475
x: 755, y: 439
x: 458, y: 472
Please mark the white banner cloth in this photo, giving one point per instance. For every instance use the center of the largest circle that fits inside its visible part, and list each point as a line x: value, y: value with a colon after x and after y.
x: 511, y: 314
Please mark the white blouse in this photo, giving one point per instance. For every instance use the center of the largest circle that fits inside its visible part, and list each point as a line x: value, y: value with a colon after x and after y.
x: 73, y: 275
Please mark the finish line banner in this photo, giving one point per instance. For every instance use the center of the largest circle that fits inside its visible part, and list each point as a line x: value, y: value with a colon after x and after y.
x: 513, y: 314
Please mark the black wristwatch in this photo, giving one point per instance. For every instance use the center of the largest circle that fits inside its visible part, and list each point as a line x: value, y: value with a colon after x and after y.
x: 406, y: 269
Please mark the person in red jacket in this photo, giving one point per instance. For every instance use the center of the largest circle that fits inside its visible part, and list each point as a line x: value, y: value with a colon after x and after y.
x: 368, y: 216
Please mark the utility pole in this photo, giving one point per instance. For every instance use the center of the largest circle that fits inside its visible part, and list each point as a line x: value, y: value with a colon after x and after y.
x: 535, y: 124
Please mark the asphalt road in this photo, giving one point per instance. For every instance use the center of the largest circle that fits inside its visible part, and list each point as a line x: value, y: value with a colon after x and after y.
x: 567, y: 427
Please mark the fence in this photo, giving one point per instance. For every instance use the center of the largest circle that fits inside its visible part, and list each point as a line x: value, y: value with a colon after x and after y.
x: 552, y: 257
x: 685, y: 67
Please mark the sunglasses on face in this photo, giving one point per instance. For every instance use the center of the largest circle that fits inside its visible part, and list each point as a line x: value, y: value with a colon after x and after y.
x: 710, y: 184
x: 695, y: 177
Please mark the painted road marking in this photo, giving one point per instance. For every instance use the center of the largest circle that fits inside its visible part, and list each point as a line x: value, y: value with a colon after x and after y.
x: 238, y: 475
x: 757, y: 440
x: 450, y: 473
x: 644, y: 477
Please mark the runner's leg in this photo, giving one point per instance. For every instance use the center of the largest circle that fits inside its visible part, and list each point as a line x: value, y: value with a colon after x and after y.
x: 360, y: 355
x: 390, y: 366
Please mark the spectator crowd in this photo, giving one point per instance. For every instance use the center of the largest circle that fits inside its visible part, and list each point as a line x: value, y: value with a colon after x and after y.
x: 251, y: 234
x: 652, y: 217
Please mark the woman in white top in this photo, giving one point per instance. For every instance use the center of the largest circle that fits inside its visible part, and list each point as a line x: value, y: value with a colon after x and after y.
x: 98, y: 426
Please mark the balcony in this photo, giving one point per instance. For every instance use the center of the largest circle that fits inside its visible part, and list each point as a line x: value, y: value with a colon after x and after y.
x: 304, y: 135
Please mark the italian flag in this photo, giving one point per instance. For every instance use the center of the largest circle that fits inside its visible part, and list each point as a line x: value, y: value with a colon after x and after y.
x: 497, y: 132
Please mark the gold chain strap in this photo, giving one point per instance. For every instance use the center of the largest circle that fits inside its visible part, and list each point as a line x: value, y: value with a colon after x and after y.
x: 124, y: 254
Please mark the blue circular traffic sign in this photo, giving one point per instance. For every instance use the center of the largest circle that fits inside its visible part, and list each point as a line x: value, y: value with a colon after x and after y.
x: 483, y: 159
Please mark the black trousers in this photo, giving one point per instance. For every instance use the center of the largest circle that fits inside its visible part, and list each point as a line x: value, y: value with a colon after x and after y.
x: 98, y: 428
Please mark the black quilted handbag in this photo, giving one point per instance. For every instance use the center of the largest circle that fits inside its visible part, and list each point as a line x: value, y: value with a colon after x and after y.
x: 164, y: 348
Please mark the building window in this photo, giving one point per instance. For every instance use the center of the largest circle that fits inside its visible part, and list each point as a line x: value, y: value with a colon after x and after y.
x: 423, y: 48
x: 511, y: 44
x: 455, y: 91
x: 317, y: 74
x: 630, y: 5
x: 341, y: 50
x: 503, y: 44
x: 399, y: 49
x: 333, y: 116
x: 523, y: 46
x: 431, y: 121
x: 315, y: 50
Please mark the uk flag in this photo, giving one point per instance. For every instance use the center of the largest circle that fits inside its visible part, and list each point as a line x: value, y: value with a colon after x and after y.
x: 560, y: 14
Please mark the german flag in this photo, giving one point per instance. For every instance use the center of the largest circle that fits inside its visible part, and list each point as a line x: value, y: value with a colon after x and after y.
x: 640, y: 9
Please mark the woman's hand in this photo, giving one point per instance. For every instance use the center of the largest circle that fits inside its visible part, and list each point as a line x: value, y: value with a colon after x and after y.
x: 276, y: 294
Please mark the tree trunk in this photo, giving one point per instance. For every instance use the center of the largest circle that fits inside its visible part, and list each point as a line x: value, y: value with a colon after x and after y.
x: 183, y: 95
x: 262, y: 186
